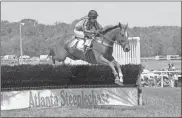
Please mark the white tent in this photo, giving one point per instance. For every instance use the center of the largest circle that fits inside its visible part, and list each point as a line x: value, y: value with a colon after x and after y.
x: 44, y: 57
x: 24, y: 57
x: 145, y: 71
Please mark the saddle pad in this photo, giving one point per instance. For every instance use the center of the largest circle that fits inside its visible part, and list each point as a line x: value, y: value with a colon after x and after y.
x: 80, y: 44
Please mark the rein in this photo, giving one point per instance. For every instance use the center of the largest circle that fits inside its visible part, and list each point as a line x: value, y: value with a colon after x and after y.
x: 107, y: 39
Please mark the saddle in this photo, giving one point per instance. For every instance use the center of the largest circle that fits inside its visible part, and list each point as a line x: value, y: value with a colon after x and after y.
x: 83, y: 44
x: 78, y: 45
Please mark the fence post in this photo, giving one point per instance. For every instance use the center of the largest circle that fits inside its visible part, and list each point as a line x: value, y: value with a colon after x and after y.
x: 139, y: 87
x: 138, y: 50
x: 162, y: 80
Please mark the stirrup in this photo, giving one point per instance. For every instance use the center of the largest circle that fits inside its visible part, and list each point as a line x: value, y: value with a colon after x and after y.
x: 88, y: 47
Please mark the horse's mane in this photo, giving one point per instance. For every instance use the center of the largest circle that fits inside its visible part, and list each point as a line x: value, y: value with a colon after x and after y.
x: 109, y: 28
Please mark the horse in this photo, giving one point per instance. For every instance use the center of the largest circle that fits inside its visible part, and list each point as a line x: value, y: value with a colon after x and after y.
x: 101, y: 51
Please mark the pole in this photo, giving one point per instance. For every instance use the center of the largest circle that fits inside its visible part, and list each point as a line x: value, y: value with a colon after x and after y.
x: 162, y: 80
x: 139, y: 87
x: 21, y: 51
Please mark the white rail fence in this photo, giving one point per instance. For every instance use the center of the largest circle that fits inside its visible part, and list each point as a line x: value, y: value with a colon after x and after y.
x: 131, y: 57
x: 171, y: 79
x: 160, y: 78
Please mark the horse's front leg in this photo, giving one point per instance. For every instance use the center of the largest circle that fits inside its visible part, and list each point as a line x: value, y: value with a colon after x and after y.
x: 119, y: 70
x: 111, y: 64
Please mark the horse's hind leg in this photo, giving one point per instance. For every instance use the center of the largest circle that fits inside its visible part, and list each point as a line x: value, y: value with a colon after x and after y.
x: 60, y: 56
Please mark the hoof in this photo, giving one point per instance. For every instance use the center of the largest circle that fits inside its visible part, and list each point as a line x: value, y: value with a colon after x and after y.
x: 73, y: 76
x: 119, y: 82
x: 121, y: 78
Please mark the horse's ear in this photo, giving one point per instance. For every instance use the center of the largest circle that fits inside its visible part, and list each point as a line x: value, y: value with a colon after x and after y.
x: 126, y: 26
x: 120, y: 25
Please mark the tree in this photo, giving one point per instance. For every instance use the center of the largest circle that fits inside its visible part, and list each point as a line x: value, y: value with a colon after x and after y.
x: 155, y: 40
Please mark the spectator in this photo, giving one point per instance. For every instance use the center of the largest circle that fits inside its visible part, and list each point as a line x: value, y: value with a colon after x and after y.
x: 172, y: 75
x: 170, y: 67
x: 173, y: 68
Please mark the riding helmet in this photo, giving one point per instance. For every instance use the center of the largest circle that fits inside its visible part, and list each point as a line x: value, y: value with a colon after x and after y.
x: 92, y: 13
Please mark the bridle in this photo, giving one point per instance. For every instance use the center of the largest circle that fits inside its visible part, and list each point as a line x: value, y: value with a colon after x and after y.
x: 103, y: 37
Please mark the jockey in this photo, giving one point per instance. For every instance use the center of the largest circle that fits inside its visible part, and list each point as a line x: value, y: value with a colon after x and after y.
x: 88, y: 27
x: 170, y: 66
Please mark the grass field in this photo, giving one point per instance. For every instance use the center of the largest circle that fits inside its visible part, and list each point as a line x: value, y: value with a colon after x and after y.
x: 162, y: 102
x: 153, y: 64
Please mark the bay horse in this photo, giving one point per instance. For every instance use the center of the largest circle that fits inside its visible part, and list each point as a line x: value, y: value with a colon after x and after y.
x: 101, y: 52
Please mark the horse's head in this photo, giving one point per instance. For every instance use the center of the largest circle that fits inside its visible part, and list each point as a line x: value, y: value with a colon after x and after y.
x: 122, y: 37
x: 119, y: 34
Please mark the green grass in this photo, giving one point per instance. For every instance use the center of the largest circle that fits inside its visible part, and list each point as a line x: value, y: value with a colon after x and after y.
x: 153, y: 64
x: 162, y: 102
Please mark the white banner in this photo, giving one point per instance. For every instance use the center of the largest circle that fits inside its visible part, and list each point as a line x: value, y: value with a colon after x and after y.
x: 69, y: 97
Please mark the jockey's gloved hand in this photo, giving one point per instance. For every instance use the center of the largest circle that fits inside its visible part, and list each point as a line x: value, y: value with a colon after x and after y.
x: 100, y: 31
x: 97, y: 32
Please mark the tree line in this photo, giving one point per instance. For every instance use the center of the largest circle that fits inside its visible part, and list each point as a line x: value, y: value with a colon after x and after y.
x: 38, y: 38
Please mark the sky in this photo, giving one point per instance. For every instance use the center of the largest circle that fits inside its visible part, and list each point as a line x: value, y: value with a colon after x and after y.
x: 110, y: 13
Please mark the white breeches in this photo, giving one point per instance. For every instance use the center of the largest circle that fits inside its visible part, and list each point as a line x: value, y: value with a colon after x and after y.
x: 79, y: 34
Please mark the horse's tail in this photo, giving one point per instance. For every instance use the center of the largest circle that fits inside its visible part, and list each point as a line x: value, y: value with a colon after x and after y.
x: 52, y: 53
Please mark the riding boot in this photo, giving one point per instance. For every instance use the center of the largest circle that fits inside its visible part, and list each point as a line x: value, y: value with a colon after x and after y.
x: 91, y: 46
x: 85, y: 48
